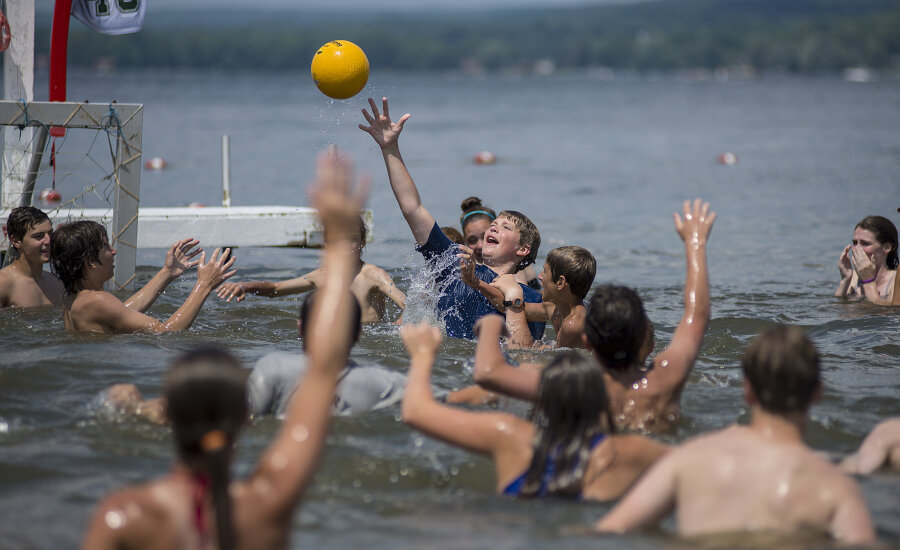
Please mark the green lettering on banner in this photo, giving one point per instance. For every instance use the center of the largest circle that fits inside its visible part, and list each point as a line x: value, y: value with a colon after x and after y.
x: 102, y: 7
x: 128, y: 5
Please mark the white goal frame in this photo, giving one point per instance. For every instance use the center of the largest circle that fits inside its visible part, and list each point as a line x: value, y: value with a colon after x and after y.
x: 128, y: 124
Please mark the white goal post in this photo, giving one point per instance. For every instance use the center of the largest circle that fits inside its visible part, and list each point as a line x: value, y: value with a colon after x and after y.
x: 125, y: 122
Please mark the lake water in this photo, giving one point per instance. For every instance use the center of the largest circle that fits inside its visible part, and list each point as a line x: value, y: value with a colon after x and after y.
x: 597, y: 163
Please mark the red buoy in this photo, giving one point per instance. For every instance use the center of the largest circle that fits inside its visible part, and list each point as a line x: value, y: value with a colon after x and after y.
x: 50, y: 196
x: 155, y: 163
x: 484, y: 157
x: 728, y: 159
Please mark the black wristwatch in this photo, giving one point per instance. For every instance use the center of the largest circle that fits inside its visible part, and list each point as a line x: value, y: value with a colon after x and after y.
x: 513, y: 303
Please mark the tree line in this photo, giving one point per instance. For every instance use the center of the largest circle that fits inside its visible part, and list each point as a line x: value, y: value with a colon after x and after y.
x: 766, y: 35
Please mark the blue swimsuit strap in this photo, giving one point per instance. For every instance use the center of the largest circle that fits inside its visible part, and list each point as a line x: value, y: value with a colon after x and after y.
x: 514, y: 488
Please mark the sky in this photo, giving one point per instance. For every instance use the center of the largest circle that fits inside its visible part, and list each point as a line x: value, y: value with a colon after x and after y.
x: 381, y: 5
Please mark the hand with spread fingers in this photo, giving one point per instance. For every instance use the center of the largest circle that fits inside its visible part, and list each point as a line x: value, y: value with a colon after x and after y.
x: 383, y: 130
x: 697, y: 223
x: 179, y: 257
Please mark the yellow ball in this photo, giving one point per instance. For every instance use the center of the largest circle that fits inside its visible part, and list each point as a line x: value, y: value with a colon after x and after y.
x: 340, y: 69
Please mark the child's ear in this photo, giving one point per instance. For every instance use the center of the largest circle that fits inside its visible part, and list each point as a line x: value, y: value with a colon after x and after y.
x: 523, y: 250
x: 749, y: 394
x: 561, y: 282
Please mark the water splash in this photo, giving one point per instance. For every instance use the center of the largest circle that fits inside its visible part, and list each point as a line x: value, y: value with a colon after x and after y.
x: 425, y: 290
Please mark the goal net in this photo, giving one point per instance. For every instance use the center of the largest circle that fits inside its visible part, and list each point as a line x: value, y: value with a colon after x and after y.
x: 90, y: 156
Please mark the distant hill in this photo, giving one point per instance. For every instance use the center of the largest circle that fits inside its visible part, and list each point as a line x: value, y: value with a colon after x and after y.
x: 743, y: 35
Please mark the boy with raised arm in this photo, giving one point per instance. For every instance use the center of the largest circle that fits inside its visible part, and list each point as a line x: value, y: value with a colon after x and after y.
x: 371, y: 285
x: 83, y: 260
x: 760, y: 477
x: 24, y: 283
x: 566, y: 279
x: 643, y: 397
x: 198, y: 505
x: 510, y: 243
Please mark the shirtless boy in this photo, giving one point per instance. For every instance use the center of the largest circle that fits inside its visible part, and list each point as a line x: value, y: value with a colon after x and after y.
x: 371, y: 286
x: 511, y: 241
x: 24, y: 283
x: 83, y: 260
x: 566, y: 279
x: 760, y: 477
x: 642, y: 397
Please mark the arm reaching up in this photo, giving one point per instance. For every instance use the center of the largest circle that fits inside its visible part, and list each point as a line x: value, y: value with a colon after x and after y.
x: 676, y: 361
x: 492, y: 371
x: 291, y: 461
x: 386, y: 133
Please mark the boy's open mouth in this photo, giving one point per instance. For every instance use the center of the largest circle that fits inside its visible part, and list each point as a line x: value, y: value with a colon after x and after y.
x: 490, y: 239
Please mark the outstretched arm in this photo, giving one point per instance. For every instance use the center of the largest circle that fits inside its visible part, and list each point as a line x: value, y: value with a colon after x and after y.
x: 676, y: 361
x: 290, y: 462
x: 269, y: 289
x: 105, y: 310
x: 178, y: 260
x: 492, y: 371
x: 476, y: 431
x: 880, y: 448
x: 386, y: 133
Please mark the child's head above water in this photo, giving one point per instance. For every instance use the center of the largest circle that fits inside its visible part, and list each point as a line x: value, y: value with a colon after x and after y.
x: 576, y: 264
x: 474, y: 222
x: 512, y: 236
x: 72, y: 247
x: 363, y: 233
x: 782, y: 367
x: 616, y: 326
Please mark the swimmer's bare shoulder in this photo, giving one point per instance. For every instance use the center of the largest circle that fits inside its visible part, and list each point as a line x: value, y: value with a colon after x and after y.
x: 570, y: 329
x: 7, y: 286
x: 139, y: 517
x: 18, y: 290
x: 379, y: 279
x: 100, y: 311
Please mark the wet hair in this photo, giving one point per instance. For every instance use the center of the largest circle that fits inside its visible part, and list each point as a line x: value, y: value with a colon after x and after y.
x: 73, y: 244
x: 206, y: 402
x: 528, y: 235
x: 782, y: 366
x: 453, y: 234
x: 649, y: 340
x: 23, y: 218
x: 615, y: 326
x: 363, y: 233
x: 576, y: 264
x: 571, y: 410
x: 306, y: 311
x: 885, y: 233
x: 472, y: 209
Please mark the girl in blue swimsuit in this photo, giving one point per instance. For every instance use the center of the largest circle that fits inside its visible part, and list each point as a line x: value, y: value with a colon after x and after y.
x: 567, y: 447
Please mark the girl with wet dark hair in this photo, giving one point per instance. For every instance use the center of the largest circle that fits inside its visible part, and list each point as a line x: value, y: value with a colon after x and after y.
x: 868, y: 265
x: 568, y: 446
x: 197, y: 505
